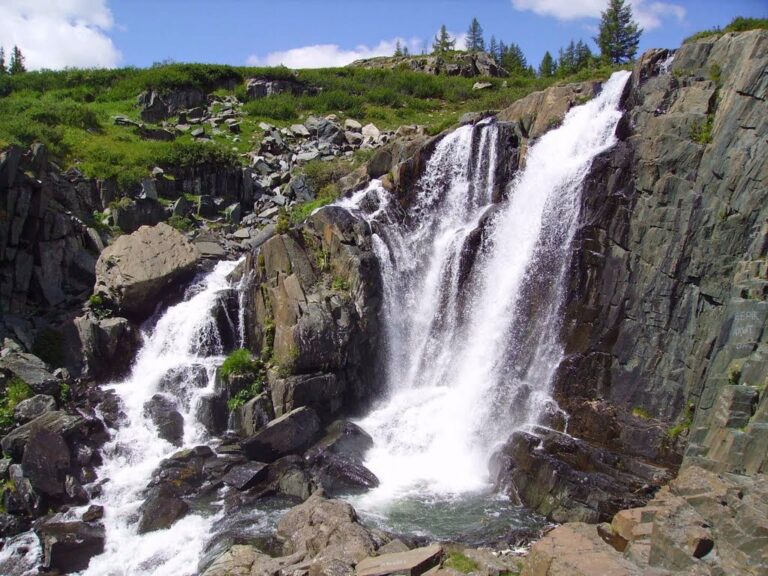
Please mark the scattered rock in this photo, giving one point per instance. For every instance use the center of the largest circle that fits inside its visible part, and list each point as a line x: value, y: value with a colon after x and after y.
x: 245, y: 476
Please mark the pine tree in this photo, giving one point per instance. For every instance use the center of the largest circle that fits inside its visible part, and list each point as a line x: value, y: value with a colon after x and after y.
x: 619, y: 34
x: 17, y: 62
x: 547, y: 66
x: 583, y: 56
x: 475, y: 42
x: 493, y: 49
x: 398, y: 49
x: 513, y: 60
x: 406, y: 52
x: 3, y: 69
x: 443, y: 41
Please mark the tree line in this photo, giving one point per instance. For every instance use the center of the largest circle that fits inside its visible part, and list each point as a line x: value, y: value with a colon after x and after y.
x: 618, y: 39
x: 16, y: 64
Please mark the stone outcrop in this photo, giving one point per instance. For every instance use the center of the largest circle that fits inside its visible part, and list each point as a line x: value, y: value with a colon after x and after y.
x: 139, y: 269
x: 702, y: 523
x: 466, y: 64
x: 664, y: 323
x: 312, y: 305
x: 48, y: 246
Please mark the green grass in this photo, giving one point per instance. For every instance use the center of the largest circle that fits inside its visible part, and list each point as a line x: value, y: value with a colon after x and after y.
x: 738, y: 24
x: 683, y: 425
x: 460, y: 562
x: 239, y: 362
x: 15, y: 391
x: 71, y: 111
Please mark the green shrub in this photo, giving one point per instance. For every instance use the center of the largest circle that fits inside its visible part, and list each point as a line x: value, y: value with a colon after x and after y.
x: 243, y: 396
x: 15, y: 391
x: 240, y: 362
x: 181, y: 223
x: 65, y: 392
x: 280, y: 107
x: 268, y: 344
x: 683, y: 426
x: 738, y: 24
x: 701, y: 132
x: 340, y: 284
x: 190, y: 154
x: 283, y: 222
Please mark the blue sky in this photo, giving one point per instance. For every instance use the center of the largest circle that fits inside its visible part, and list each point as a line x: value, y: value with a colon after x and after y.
x: 311, y: 33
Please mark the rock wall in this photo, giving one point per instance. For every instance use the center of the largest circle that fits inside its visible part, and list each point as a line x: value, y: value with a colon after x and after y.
x: 664, y: 323
x: 312, y: 307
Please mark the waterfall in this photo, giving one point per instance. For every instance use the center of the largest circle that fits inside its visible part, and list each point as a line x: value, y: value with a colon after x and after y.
x: 184, y: 347
x: 472, y: 293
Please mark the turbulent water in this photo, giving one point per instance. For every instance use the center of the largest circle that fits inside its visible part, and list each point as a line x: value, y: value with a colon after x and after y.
x: 184, y: 347
x: 473, y: 342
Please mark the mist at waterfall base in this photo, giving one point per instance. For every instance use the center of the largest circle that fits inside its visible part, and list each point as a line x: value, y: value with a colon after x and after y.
x: 472, y: 348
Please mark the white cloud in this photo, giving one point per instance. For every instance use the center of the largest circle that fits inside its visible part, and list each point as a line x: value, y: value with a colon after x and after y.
x: 59, y: 33
x: 648, y: 14
x: 331, y: 55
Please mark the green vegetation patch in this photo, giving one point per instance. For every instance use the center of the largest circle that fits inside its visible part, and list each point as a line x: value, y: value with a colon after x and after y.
x: 240, y: 362
x: 738, y: 24
x: 460, y: 562
x: 642, y: 413
x: 15, y: 391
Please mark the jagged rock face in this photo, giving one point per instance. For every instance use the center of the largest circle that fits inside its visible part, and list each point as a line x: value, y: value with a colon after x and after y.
x: 137, y: 270
x: 47, y: 251
x: 312, y: 305
x: 667, y: 283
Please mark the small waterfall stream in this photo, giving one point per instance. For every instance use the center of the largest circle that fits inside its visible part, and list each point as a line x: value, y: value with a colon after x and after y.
x: 179, y: 356
x: 473, y: 347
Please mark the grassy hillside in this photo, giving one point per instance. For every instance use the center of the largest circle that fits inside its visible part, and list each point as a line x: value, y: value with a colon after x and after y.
x: 72, y: 111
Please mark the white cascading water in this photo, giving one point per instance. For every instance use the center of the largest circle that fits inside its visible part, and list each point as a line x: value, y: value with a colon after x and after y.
x: 184, y: 343
x: 462, y: 372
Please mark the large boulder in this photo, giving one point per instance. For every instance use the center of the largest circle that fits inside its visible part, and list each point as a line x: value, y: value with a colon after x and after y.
x: 139, y: 269
x: 289, y: 434
x: 31, y: 408
x: 32, y: 370
x: 46, y: 462
x: 163, y: 411
x: 326, y: 529
x: 69, y: 546
x: 57, y: 422
x: 161, y: 509
x: 108, y: 345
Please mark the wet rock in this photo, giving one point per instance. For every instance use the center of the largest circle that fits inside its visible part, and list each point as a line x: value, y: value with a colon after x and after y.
x: 93, y: 513
x: 69, y: 546
x: 245, y: 476
x: 164, y: 414
x: 162, y: 508
x: 31, y: 408
x: 288, y: 434
x: 138, y: 269
x: 11, y: 525
x: 346, y: 439
x: 339, y: 475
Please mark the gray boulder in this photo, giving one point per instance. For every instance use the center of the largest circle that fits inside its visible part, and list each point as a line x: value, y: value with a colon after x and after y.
x: 69, y: 546
x: 138, y: 269
x: 31, y: 408
x: 161, y: 509
x: 46, y: 462
x: 32, y: 370
x: 70, y: 427
x: 108, y: 345
x: 289, y: 434
x: 162, y: 409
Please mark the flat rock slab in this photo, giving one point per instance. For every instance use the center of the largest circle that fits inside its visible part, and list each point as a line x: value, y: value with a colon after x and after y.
x: 289, y: 434
x: 245, y: 476
x: 412, y: 563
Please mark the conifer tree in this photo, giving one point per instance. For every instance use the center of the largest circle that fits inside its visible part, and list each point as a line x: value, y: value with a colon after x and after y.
x: 619, y: 34
x: 547, y: 66
x: 17, y: 62
x: 406, y: 52
x: 493, y: 48
x: 398, y: 49
x: 3, y: 69
x: 443, y: 41
x: 475, y: 41
x: 513, y: 60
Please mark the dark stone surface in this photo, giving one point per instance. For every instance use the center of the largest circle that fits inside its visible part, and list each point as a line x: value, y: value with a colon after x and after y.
x: 289, y: 434
x: 69, y: 546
